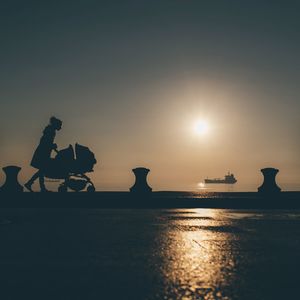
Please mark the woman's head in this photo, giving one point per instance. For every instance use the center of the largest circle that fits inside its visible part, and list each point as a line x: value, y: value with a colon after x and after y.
x: 56, y: 123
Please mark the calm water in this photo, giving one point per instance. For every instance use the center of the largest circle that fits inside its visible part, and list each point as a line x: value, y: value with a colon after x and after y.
x: 149, y: 254
x: 242, y: 187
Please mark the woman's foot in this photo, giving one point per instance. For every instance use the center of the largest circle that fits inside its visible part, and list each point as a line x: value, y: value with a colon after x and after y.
x: 28, y: 187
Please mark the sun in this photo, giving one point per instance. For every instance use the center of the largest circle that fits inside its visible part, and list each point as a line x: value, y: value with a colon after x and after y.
x: 201, y: 127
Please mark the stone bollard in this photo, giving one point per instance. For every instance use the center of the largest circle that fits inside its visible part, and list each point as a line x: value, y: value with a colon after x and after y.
x: 11, y: 183
x: 269, y: 185
x: 140, y: 185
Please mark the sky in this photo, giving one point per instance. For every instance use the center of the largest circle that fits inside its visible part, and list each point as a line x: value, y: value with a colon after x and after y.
x: 131, y: 79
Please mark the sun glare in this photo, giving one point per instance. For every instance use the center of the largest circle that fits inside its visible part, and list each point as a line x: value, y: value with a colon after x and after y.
x: 201, y: 127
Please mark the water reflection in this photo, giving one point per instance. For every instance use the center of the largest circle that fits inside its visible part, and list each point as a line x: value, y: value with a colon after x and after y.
x: 199, y: 260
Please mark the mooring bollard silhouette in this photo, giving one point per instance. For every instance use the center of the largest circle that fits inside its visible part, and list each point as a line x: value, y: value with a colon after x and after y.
x: 141, y: 185
x: 269, y: 185
x: 11, y: 183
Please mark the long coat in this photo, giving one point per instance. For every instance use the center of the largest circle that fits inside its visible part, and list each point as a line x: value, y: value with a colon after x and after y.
x: 42, y: 154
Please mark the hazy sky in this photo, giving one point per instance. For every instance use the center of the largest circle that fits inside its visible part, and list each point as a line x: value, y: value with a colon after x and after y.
x: 129, y: 79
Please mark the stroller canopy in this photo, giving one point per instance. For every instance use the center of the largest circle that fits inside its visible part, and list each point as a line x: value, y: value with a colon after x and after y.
x: 84, y: 159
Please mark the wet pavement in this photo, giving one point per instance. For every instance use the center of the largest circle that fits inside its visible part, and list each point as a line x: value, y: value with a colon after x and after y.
x: 149, y: 254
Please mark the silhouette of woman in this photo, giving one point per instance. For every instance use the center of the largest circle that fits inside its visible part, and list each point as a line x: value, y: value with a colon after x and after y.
x: 42, y: 155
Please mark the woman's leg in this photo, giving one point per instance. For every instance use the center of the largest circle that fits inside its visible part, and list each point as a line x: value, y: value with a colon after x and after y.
x: 30, y: 182
x: 42, y: 181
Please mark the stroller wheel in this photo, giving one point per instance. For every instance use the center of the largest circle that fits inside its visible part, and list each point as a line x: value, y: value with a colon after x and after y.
x: 62, y: 188
x: 91, y: 189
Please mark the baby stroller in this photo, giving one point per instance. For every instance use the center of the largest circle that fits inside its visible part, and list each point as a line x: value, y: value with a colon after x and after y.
x: 71, y: 166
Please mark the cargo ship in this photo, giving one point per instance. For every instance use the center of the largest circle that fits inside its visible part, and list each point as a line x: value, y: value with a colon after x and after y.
x: 228, y: 179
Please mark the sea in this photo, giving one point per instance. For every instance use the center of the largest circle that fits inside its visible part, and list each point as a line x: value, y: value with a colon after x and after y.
x: 84, y: 253
x: 241, y: 187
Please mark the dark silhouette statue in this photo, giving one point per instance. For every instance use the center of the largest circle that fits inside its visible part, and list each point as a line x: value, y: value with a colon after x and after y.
x: 140, y: 185
x: 64, y: 165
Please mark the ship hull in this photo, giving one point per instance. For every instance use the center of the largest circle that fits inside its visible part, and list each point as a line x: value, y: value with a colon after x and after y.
x: 212, y: 181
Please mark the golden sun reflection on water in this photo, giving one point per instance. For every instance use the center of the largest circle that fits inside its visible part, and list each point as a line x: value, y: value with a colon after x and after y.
x: 197, y: 262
